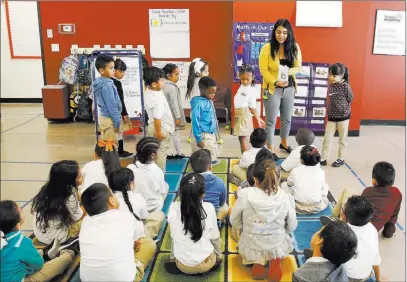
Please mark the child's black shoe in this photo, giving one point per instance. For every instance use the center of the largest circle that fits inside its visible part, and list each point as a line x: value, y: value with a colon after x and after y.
x: 338, y: 163
x: 323, y: 163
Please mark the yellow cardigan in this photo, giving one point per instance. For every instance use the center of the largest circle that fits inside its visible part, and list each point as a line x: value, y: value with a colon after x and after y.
x: 269, y: 67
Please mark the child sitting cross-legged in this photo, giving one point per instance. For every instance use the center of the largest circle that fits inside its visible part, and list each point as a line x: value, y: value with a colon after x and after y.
x: 258, y: 140
x: 20, y: 260
x: 196, y: 242
x: 121, y: 182
x: 265, y: 215
x: 112, y: 244
x: 215, y: 188
x: 307, y: 183
x: 332, y: 246
x: 304, y: 137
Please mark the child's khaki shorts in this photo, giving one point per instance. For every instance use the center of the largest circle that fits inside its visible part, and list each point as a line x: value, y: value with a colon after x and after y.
x: 243, y: 122
x: 106, y: 126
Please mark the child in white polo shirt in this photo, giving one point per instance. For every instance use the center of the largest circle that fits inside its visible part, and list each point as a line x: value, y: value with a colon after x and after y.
x: 111, y: 249
x: 161, y: 123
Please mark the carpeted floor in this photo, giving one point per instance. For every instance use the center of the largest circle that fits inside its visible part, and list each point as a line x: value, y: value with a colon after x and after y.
x: 231, y: 269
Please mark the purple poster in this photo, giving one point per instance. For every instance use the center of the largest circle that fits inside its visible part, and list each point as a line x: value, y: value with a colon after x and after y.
x: 249, y: 38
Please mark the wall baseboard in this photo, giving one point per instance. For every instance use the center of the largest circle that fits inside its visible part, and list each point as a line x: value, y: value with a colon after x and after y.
x: 21, y: 100
x: 382, y: 122
x: 351, y: 133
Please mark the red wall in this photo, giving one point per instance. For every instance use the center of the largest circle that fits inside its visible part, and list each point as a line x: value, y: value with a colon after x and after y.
x: 126, y: 23
x: 384, y: 93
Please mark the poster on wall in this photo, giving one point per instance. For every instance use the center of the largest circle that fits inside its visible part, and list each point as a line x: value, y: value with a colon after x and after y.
x: 183, y: 78
x: 249, y: 38
x: 131, y: 86
x: 169, y: 33
x: 390, y: 33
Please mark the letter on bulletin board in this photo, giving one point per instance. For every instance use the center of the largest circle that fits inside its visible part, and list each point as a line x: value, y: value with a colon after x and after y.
x: 169, y: 33
x: 183, y: 78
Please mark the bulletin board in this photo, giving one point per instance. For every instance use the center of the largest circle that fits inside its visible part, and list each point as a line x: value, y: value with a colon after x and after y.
x: 23, y: 29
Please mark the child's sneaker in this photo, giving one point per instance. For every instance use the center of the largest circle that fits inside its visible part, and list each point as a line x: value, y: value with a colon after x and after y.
x: 234, y: 180
x: 215, y: 162
x: 338, y: 163
x: 52, y: 249
x: 74, y: 248
x: 68, y: 243
x: 125, y: 154
x: 323, y: 163
x: 171, y: 267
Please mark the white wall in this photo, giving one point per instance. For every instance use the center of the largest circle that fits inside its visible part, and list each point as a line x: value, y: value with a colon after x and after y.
x: 20, y: 78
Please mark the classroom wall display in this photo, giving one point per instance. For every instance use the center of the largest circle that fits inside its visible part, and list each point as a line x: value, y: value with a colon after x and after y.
x: 249, y: 38
x: 390, y: 33
x: 169, y: 33
x: 183, y: 78
x: 319, y: 13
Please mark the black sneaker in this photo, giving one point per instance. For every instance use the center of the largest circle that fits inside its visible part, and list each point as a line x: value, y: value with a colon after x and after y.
x: 338, y: 163
x: 74, y: 247
x: 325, y: 220
x: 234, y: 180
x: 179, y: 156
x: 288, y: 149
x: 125, y: 155
x: 171, y: 268
x: 170, y: 157
x: 68, y: 243
x: 323, y: 163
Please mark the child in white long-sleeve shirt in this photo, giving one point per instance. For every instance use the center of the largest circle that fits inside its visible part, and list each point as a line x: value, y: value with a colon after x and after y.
x: 148, y: 177
x: 307, y: 183
x: 304, y: 137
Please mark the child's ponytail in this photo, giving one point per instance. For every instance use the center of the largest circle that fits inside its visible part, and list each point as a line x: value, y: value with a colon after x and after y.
x: 195, y: 69
x: 107, y: 152
x: 268, y: 174
x: 310, y: 156
x: 120, y: 181
x: 346, y: 75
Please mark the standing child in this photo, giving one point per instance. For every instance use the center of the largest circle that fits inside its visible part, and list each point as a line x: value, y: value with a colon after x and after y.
x: 197, y: 69
x: 340, y: 99
x: 20, y: 260
x: 245, y: 106
x: 160, y: 121
x: 203, y: 117
x: 120, y: 68
x: 112, y: 244
x: 265, y: 215
x: 98, y: 170
x: 307, y: 183
x: 173, y: 95
x: 121, y: 182
x: 196, y: 241
x: 108, y: 100
x: 148, y: 177
x: 57, y: 214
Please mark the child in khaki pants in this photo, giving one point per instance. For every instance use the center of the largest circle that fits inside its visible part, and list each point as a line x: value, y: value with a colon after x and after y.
x: 161, y: 124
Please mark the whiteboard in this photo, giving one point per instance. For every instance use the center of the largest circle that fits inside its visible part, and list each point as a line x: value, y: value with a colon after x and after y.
x: 390, y: 33
x: 319, y: 13
x: 24, y: 28
x: 183, y: 78
x: 169, y: 33
x: 131, y: 86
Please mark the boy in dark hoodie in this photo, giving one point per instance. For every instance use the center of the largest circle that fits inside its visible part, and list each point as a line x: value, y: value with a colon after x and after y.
x: 215, y: 189
x: 332, y: 246
x: 203, y: 119
x: 20, y: 260
x: 108, y: 100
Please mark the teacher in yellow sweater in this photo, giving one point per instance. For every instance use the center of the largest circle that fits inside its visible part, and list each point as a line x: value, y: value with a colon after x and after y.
x: 279, y: 61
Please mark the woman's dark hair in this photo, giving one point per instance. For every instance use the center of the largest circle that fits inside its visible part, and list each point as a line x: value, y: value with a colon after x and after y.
x: 191, y: 77
x: 290, y: 45
x: 119, y: 181
x: 268, y: 174
x: 10, y: 216
x: 245, y: 68
x: 340, y: 69
x: 145, y: 148
x: 120, y: 65
x: 310, y: 156
x: 192, y: 211
x: 264, y: 154
x: 169, y: 69
x: 110, y: 158
x: 339, y: 242
x: 249, y: 175
x: 51, y: 202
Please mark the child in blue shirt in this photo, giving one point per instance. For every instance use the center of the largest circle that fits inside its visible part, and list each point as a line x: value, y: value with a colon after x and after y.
x: 20, y: 260
x: 108, y: 99
x: 215, y: 188
x: 203, y: 119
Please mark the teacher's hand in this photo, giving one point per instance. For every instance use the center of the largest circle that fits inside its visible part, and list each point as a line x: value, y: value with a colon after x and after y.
x: 282, y: 84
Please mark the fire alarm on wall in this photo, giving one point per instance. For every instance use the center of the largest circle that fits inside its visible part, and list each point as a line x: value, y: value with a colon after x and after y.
x: 66, y: 28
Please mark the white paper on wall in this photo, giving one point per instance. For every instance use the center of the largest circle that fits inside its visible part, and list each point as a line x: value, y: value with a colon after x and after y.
x: 169, y: 33
x: 318, y: 102
x: 258, y: 91
x: 302, y: 91
x: 299, y: 101
x: 390, y: 33
x: 320, y: 92
x: 317, y: 121
x: 183, y: 78
x: 319, y: 13
x: 258, y: 108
